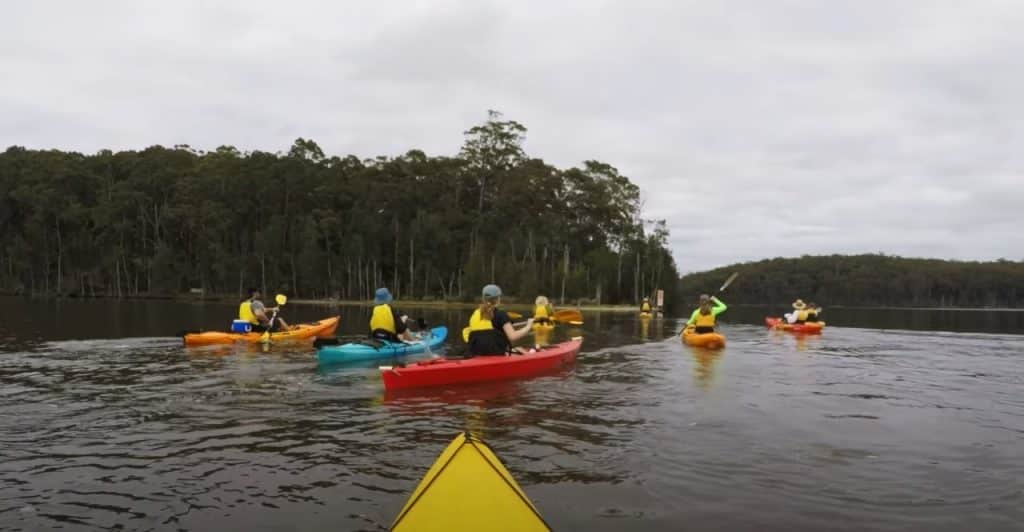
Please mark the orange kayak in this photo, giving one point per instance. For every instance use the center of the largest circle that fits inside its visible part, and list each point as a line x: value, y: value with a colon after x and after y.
x: 805, y: 328
x: 302, y: 331
x: 711, y: 340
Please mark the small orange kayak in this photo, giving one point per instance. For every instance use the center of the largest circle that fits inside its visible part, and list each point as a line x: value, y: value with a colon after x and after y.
x: 302, y: 331
x: 805, y: 328
x: 711, y: 340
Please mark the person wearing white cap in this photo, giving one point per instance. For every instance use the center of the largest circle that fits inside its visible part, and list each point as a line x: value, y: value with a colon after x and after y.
x: 799, y: 314
x: 490, y: 330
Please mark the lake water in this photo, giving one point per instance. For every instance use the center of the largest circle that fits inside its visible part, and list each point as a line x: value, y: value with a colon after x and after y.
x: 890, y: 420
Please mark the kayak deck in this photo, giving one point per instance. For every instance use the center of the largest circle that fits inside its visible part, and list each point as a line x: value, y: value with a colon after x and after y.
x: 302, y: 331
x: 710, y: 340
x: 468, y: 488
x: 351, y: 352
x: 480, y: 368
x: 780, y: 324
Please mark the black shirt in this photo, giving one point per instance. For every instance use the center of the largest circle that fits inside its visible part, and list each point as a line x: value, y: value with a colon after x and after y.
x: 500, y: 319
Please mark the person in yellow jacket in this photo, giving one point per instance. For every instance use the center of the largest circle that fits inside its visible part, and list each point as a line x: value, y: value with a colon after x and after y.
x: 703, y: 319
x: 253, y: 311
x: 813, y: 311
x: 490, y: 330
x: 645, y: 306
x: 542, y: 310
x: 387, y: 323
x: 799, y: 314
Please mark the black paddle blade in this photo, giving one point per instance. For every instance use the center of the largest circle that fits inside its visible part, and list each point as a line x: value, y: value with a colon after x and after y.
x: 421, y: 323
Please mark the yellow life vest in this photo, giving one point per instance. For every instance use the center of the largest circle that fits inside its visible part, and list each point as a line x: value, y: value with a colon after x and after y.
x: 541, y: 311
x: 646, y: 307
x: 801, y: 315
x: 245, y: 312
x: 705, y: 320
x: 476, y: 323
x: 383, y: 319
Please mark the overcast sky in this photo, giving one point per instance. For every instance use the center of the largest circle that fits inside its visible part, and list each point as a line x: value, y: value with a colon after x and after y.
x: 757, y: 129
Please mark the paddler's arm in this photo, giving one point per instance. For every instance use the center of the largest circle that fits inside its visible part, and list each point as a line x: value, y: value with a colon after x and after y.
x: 512, y: 334
x: 719, y: 306
x: 693, y: 318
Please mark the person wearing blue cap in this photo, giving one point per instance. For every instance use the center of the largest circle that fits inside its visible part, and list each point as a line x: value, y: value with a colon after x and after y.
x: 490, y: 330
x: 387, y: 323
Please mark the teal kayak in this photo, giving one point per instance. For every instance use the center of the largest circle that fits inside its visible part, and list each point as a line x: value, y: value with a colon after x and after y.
x: 376, y: 350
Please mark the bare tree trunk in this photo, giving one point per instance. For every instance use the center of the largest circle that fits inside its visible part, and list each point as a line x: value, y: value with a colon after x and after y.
x: 412, y: 269
x: 444, y: 293
x: 394, y: 273
x: 359, y: 278
x: 263, y: 272
x: 636, y: 279
x: 60, y: 256
x: 295, y: 277
x: 565, y: 271
x: 618, y: 279
x: 117, y: 276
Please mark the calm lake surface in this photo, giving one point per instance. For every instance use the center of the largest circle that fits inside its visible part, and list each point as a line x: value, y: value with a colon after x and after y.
x: 890, y: 420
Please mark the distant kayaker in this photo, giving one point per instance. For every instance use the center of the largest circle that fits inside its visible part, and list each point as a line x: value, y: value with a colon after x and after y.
x: 799, y: 314
x: 542, y: 310
x: 253, y: 311
x: 703, y: 319
x: 645, y: 306
x: 387, y: 323
x: 490, y: 330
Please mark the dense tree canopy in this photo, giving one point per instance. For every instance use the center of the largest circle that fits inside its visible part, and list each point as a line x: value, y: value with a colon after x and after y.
x: 868, y: 280
x: 164, y: 220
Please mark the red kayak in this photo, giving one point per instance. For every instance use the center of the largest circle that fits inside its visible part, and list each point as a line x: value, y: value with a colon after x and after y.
x: 805, y: 328
x: 481, y: 368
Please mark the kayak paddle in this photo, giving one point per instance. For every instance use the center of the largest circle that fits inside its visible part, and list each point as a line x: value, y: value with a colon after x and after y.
x: 281, y: 300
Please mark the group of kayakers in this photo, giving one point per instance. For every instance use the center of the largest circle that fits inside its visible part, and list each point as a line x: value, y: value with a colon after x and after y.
x: 702, y: 320
x: 490, y: 329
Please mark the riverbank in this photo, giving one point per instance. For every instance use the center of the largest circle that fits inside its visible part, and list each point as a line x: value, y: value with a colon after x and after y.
x: 406, y: 304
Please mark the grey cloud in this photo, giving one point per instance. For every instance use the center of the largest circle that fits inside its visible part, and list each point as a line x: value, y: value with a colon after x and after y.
x: 756, y: 129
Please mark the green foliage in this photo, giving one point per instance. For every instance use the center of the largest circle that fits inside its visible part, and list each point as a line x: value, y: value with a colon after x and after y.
x: 867, y: 280
x: 164, y: 220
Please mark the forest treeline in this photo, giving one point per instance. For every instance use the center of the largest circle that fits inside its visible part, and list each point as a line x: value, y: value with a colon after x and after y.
x: 163, y: 221
x: 867, y: 280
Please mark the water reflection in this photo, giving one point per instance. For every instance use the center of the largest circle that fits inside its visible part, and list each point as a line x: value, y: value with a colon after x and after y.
x: 704, y: 362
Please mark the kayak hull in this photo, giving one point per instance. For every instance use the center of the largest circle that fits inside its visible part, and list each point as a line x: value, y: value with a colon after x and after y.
x: 780, y: 324
x: 468, y: 488
x: 443, y: 372
x: 353, y: 352
x: 302, y: 331
x: 707, y: 340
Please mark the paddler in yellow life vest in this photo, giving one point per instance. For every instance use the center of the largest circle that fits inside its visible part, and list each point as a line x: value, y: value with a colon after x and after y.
x: 387, y: 323
x: 542, y: 310
x: 703, y: 319
x: 490, y: 330
x: 645, y: 306
x: 812, y: 312
x: 253, y: 311
x: 799, y: 314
